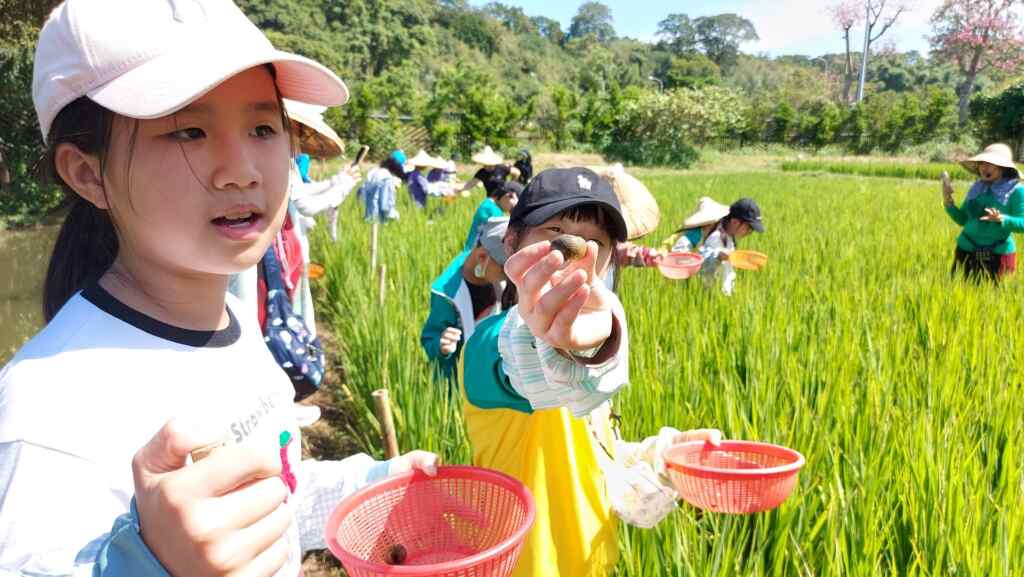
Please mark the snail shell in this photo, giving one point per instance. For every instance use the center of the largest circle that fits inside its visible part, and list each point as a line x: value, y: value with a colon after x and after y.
x: 571, y: 246
x: 396, y: 554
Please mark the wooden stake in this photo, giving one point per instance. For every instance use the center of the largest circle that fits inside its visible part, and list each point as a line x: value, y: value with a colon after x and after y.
x: 383, y: 283
x: 382, y: 405
x: 373, y: 245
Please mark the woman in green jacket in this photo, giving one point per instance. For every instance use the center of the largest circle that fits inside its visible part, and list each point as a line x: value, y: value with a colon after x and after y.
x: 991, y: 212
x: 467, y: 292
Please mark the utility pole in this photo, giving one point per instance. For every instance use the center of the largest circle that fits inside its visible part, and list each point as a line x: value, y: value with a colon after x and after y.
x: 864, y: 55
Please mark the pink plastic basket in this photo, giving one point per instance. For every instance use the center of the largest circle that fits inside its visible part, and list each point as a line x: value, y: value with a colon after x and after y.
x: 465, y: 522
x: 737, y: 477
x: 680, y: 265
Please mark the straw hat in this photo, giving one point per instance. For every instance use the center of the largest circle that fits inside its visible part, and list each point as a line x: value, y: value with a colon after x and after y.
x: 316, y: 138
x: 997, y: 154
x: 488, y: 157
x: 638, y: 205
x: 423, y: 159
x: 708, y: 211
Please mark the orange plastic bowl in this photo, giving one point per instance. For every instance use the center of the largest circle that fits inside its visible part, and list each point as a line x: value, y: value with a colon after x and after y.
x: 680, y: 265
x: 738, y: 477
x: 748, y: 259
x: 464, y: 522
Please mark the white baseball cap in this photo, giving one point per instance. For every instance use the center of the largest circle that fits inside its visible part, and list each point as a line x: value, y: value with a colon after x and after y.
x: 150, y: 58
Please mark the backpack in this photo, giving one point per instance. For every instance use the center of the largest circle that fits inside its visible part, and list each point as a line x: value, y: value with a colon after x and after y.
x: 297, y: 351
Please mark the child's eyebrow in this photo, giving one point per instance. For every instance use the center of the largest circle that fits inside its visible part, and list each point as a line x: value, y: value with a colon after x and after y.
x: 265, y: 106
x: 205, y: 108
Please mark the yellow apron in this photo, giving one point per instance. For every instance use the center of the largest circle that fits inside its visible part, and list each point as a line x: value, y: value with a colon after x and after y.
x: 551, y: 453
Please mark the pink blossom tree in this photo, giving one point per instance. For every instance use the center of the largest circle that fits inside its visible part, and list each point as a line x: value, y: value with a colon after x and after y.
x: 845, y: 15
x: 976, y: 35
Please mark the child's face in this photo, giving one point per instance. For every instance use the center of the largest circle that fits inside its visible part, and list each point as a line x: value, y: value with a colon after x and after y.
x: 737, y: 228
x: 989, y: 172
x: 587, y: 230
x: 204, y: 190
x: 508, y: 201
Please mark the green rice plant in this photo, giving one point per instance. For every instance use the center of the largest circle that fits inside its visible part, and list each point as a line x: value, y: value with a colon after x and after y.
x: 899, y: 384
x: 923, y: 171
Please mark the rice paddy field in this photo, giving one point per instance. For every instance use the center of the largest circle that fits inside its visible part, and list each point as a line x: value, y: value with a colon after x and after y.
x: 901, y: 387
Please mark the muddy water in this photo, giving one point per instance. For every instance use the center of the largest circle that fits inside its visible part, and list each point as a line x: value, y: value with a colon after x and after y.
x: 23, y: 259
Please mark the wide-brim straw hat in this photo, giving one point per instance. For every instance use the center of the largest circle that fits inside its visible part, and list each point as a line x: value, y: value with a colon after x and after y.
x: 315, y: 137
x: 997, y: 154
x: 423, y: 159
x: 639, y: 208
x: 487, y: 157
x: 708, y: 212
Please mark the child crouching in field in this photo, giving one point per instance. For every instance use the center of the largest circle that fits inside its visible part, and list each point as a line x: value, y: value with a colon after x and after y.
x: 992, y: 210
x: 538, y: 376
x: 169, y: 137
x: 713, y: 231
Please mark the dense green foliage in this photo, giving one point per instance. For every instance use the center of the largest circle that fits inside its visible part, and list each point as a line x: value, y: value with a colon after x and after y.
x: 453, y: 76
x: 929, y: 171
x: 853, y: 346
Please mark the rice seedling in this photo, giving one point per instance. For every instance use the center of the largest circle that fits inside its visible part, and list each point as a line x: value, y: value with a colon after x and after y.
x: 854, y: 346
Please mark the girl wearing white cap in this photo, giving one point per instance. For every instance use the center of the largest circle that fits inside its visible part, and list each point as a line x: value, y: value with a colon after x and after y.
x: 992, y: 210
x: 166, y: 130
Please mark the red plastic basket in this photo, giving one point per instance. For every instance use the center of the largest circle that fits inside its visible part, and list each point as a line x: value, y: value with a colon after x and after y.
x: 737, y: 477
x: 680, y: 265
x: 464, y: 522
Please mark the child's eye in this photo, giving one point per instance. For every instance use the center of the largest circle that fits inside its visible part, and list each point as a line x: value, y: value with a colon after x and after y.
x: 555, y: 229
x: 599, y: 243
x: 187, y: 134
x: 264, y: 131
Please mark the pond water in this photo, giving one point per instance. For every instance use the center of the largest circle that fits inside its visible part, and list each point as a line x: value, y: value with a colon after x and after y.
x: 23, y: 259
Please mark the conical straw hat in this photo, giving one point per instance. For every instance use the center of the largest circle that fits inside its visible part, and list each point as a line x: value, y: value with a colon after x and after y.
x: 316, y: 138
x: 424, y: 159
x: 488, y: 157
x: 997, y: 154
x: 639, y: 208
x: 708, y: 212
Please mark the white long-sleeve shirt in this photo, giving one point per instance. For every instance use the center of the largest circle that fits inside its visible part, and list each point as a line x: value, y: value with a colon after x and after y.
x: 712, y: 249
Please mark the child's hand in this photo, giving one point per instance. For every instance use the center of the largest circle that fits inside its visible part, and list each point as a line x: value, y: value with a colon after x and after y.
x: 724, y: 255
x: 450, y: 340
x: 220, y: 516
x: 713, y: 436
x: 992, y: 215
x: 570, y: 308
x: 421, y: 460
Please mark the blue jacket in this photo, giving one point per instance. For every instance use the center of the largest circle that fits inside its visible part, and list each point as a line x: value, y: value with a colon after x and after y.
x: 450, y: 306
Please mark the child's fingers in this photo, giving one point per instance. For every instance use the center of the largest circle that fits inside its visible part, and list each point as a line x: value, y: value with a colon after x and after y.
x: 519, y: 263
x: 228, y: 468
x: 168, y: 449
x: 548, y: 306
x: 247, y: 544
x: 560, y: 333
x: 248, y: 505
x: 536, y: 279
x: 267, y: 563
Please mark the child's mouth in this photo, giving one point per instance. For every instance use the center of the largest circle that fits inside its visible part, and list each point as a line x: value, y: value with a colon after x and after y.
x: 243, y: 220
x: 244, y: 225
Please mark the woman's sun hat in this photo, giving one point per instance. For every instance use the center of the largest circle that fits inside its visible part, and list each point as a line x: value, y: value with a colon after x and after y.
x: 998, y: 154
x: 316, y: 138
x: 487, y: 157
x: 708, y: 212
x: 638, y: 205
x: 150, y: 58
x: 422, y: 159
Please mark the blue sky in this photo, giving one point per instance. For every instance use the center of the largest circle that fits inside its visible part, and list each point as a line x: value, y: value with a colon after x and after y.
x: 785, y: 26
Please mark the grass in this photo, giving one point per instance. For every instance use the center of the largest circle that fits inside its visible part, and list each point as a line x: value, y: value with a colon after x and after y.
x: 924, y: 171
x: 899, y: 385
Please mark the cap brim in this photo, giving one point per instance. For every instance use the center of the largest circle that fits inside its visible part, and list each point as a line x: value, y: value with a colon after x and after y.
x: 542, y: 214
x: 170, y: 82
x: 757, y: 225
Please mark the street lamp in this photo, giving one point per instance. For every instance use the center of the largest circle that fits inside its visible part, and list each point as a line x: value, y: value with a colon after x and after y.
x: 661, y: 85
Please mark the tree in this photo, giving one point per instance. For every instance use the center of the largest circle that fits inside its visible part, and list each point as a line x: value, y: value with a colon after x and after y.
x: 511, y: 17
x: 692, y: 71
x: 677, y: 34
x: 549, y: 28
x: 880, y: 16
x: 845, y: 15
x: 721, y: 36
x: 592, y: 19
x: 976, y: 35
